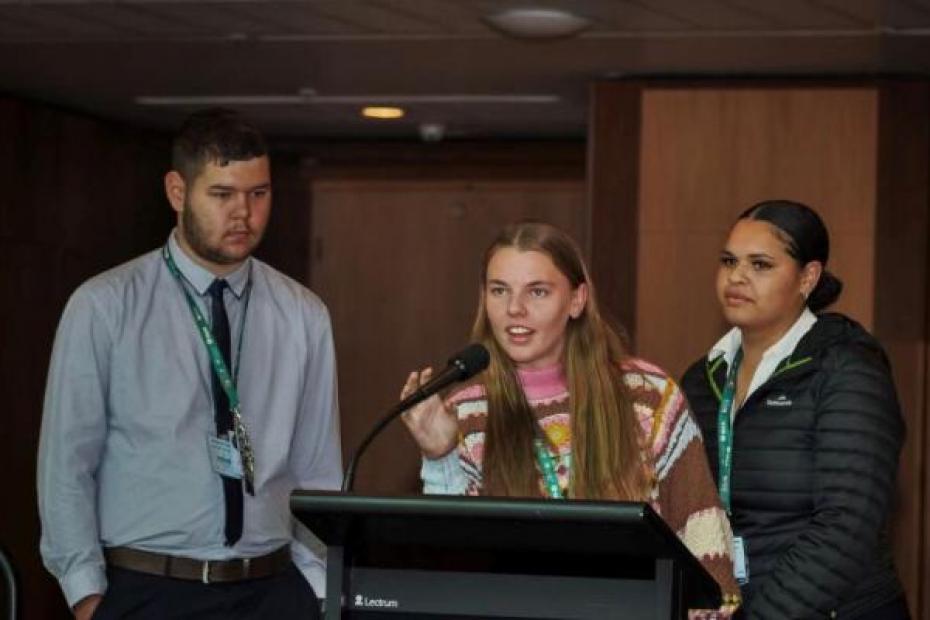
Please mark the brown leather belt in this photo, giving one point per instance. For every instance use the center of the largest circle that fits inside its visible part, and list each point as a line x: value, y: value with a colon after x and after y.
x: 207, y: 571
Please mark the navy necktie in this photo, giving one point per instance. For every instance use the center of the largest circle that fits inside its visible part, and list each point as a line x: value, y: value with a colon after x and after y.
x: 232, y: 487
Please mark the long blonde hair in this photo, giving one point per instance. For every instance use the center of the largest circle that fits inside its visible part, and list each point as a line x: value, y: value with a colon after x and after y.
x: 607, y: 461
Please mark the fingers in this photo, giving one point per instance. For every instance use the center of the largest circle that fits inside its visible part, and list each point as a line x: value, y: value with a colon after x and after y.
x: 426, y: 375
x: 409, y: 386
x: 415, y: 380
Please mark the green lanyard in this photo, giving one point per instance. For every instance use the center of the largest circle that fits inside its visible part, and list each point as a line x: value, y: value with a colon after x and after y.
x: 219, y: 367
x: 725, y: 431
x: 547, y: 467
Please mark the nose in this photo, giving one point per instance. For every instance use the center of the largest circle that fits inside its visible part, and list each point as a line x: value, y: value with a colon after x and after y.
x: 737, y: 273
x: 515, y: 306
x: 242, y: 205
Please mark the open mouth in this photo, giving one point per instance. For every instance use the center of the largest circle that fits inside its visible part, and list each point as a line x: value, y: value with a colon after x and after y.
x: 519, y: 333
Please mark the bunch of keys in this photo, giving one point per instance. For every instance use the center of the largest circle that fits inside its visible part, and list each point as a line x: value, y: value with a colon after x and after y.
x: 245, y: 451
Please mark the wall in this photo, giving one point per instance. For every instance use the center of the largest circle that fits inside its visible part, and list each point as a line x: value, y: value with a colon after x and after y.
x: 79, y: 196
x: 398, y: 239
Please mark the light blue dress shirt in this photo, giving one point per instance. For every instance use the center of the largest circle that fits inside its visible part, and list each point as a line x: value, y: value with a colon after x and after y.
x: 123, y: 457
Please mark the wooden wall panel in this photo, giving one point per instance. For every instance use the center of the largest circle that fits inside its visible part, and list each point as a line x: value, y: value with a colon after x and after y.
x: 286, y: 244
x: 901, y: 304
x: 76, y: 204
x: 613, y: 183
x: 706, y: 154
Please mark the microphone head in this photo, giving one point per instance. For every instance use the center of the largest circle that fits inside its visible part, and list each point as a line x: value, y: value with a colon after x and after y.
x: 470, y: 361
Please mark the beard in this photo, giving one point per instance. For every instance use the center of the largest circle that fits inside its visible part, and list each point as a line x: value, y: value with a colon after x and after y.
x: 197, y: 238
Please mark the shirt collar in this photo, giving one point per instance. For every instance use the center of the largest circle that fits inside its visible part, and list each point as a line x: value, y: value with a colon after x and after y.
x: 201, y: 279
x: 730, y: 343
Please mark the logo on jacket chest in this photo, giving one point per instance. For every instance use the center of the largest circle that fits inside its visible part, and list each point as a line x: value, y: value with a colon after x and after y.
x: 778, y: 401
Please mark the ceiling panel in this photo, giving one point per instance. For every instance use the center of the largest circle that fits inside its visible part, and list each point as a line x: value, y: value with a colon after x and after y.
x: 223, y: 20
x: 55, y: 22
x: 710, y: 14
x: 449, y: 16
x: 99, y: 55
x: 130, y: 22
x: 800, y: 14
x: 367, y: 18
x: 907, y: 14
x: 628, y: 16
x: 867, y: 13
x: 17, y: 27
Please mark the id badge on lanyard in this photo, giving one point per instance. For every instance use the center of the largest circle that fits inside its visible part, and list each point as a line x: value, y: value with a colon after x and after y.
x: 224, y: 456
x: 740, y: 565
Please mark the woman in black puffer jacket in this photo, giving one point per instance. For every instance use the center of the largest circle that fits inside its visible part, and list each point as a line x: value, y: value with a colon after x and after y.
x: 802, y: 427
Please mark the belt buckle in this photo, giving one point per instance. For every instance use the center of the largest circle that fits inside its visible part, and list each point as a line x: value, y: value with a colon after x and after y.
x: 205, y: 572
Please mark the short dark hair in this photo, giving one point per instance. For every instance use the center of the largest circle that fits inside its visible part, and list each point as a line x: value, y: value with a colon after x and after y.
x: 806, y: 239
x: 218, y: 135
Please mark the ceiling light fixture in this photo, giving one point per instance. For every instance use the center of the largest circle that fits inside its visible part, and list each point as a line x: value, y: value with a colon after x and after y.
x: 382, y: 112
x: 536, y: 23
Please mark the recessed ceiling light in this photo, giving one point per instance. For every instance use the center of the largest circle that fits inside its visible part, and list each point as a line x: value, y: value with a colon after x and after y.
x: 538, y: 23
x: 382, y: 112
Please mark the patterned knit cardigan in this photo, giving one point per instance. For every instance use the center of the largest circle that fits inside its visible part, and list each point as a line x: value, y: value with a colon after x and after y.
x: 683, y: 492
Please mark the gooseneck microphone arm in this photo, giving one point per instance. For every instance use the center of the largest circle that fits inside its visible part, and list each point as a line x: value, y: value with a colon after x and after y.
x: 349, y: 479
x: 464, y: 365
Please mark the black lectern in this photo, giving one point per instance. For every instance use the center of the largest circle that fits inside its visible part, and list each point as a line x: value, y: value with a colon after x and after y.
x: 461, y: 558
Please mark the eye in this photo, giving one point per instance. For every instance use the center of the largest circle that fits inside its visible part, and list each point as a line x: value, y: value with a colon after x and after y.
x: 261, y: 193
x: 761, y: 265
x: 538, y: 292
x: 221, y: 194
x: 728, y: 261
x: 496, y: 291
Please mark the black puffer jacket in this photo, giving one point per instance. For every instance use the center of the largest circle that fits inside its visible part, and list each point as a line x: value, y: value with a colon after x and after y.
x: 815, y: 456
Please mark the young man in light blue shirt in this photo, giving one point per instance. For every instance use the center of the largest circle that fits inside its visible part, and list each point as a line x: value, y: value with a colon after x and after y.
x: 190, y: 390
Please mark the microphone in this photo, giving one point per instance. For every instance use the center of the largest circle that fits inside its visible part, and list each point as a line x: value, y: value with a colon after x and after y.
x: 463, y: 365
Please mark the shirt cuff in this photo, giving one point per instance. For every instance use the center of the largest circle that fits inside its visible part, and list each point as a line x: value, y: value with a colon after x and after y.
x: 83, y: 582
x: 309, y: 555
x: 444, y: 476
x: 311, y: 566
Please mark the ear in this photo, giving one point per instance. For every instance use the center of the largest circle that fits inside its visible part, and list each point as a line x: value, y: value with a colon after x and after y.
x: 579, y: 299
x: 810, y: 275
x: 175, y: 189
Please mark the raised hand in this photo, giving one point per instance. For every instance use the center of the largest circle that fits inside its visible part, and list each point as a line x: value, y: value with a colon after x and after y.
x: 432, y: 422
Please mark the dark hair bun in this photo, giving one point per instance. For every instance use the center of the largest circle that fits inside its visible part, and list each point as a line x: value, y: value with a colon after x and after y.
x: 826, y: 292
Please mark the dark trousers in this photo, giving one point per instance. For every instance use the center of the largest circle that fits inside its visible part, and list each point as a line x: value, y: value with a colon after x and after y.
x: 139, y: 596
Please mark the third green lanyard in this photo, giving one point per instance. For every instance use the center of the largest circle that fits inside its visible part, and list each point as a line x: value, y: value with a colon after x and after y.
x: 725, y: 431
x: 547, y: 466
